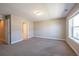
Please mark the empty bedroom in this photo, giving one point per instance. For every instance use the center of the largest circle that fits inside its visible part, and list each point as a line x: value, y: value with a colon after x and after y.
x: 39, y: 29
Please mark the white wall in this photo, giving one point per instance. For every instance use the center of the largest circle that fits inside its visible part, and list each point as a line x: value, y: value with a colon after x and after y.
x: 71, y: 42
x: 30, y: 29
x: 16, y: 28
x: 52, y: 29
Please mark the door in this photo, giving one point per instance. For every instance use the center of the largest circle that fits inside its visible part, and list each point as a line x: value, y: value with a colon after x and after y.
x: 25, y: 30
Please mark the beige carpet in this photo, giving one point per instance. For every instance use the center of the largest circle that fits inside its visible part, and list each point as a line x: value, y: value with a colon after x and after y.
x: 37, y: 47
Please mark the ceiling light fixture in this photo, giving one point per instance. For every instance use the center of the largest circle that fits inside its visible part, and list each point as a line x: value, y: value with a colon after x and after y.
x: 38, y: 12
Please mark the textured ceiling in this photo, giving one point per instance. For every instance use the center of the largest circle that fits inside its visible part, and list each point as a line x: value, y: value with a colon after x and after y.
x: 26, y: 10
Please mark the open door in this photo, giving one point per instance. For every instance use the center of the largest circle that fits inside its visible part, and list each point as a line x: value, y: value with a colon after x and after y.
x: 25, y: 30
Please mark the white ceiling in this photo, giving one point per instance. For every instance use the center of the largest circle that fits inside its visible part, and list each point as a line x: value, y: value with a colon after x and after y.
x: 26, y: 10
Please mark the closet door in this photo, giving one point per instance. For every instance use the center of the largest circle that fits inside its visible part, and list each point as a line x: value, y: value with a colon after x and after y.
x: 25, y: 30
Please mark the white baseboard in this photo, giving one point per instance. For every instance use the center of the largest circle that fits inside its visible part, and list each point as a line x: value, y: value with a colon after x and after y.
x: 50, y: 38
x: 38, y: 37
x: 16, y: 41
x: 73, y: 48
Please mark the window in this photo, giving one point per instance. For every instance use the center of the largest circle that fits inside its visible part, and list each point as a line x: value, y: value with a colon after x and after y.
x: 74, y: 27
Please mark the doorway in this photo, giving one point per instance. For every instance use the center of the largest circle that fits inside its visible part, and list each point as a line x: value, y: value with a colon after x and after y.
x: 2, y: 31
x: 25, y: 30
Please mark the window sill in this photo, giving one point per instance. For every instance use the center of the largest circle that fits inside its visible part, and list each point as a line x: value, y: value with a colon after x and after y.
x: 76, y: 40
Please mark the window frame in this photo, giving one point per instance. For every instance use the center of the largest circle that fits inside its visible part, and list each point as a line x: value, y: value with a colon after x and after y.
x: 71, y: 33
